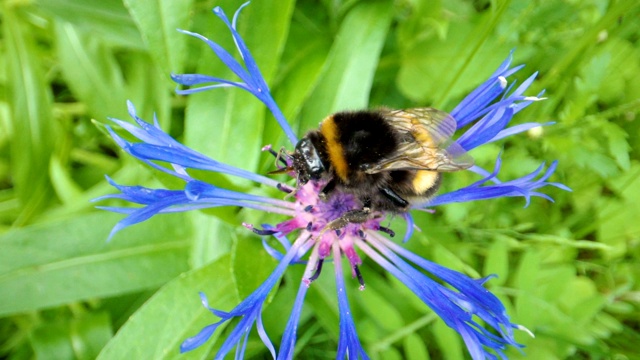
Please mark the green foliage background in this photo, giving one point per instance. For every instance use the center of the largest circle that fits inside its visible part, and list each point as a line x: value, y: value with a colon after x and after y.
x: 568, y: 271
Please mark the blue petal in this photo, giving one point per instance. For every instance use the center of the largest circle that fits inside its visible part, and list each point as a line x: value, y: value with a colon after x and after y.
x: 145, y: 213
x: 199, y: 339
x: 241, y: 329
x: 518, y: 129
x: 477, y: 102
x: 410, y: 224
x: 252, y: 79
x: 473, y: 194
x: 199, y: 190
x: 197, y: 79
x: 143, y: 195
x: 523, y: 186
x: 159, y: 146
x: 472, y: 106
x: 288, y: 342
x: 486, y: 129
x: 348, y: 342
x: 258, y: 80
x: 457, y: 309
x: 249, y: 310
x: 224, y: 56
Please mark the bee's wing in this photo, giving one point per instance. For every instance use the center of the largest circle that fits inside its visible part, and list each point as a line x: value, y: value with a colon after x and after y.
x: 427, y: 145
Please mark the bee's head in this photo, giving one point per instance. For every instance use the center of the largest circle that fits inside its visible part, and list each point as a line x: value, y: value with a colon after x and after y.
x: 306, y: 161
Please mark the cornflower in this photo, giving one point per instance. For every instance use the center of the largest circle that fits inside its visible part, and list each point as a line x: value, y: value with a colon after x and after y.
x: 460, y: 301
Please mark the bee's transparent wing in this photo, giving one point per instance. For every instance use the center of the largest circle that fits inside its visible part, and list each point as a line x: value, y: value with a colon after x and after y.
x: 427, y: 144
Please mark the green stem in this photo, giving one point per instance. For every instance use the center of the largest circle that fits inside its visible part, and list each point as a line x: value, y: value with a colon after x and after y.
x: 386, y: 342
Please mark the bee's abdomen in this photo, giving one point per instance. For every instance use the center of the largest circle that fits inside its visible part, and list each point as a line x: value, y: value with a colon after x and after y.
x: 426, y: 183
x: 415, y: 183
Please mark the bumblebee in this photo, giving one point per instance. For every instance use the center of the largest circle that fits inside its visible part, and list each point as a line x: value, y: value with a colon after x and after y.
x: 388, y: 159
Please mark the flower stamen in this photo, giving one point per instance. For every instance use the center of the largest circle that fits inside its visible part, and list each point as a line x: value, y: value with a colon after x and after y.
x: 358, y: 274
x: 284, y: 188
x: 316, y: 273
x: 261, y: 232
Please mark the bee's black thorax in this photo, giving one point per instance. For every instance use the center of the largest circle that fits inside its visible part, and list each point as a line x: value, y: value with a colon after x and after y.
x: 366, y: 138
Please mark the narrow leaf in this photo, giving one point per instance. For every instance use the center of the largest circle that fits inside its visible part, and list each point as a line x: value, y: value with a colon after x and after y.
x: 348, y: 79
x: 58, y: 263
x: 108, y: 19
x: 173, y: 314
x: 158, y: 21
x: 34, y: 132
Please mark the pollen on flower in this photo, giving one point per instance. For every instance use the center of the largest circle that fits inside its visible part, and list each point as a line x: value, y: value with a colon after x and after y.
x: 524, y: 328
x: 503, y: 81
x: 262, y: 232
x: 534, y: 98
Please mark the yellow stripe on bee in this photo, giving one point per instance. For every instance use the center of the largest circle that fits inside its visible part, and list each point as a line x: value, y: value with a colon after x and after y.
x: 422, y: 137
x: 421, y: 134
x: 329, y: 130
x: 424, y: 181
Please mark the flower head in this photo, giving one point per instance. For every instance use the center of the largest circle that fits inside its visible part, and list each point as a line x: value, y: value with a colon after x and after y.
x: 462, y: 302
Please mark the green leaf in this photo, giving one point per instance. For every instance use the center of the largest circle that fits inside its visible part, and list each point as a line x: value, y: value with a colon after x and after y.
x: 618, y: 146
x: 391, y: 354
x: 304, y: 63
x: 158, y: 22
x: 322, y: 299
x: 212, y: 238
x: 553, y: 281
x: 91, y: 71
x: 434, y: 68
x: 81, y: 337
x: 108, y: 19
x: 354, y: 56
x: 585, y: 311
x: 618, y: 225
x: 62, y: 262
x: 52, y: 342
x: 34, y: 130
x: 380, y: 308
x: 66, y: 189
x: 174, y: 314
x: 526, y: 282
x: 89, y: 334
x: 265, y: 27
x: 251, y: 264
x: 448, y: 341
x: 414, y: 348
x: 148, y: 91
x: 497, y: 262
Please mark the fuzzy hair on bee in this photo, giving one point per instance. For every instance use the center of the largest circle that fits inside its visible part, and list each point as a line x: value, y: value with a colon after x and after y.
x: 388, y: 159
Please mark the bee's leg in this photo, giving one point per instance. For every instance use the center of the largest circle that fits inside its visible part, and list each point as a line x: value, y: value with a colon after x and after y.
x: 327, y: 189
x: 281, y: 157
x: 282, y: 161
x: 394, y: 197
x: 357, y: 216
x: 350, y: 217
